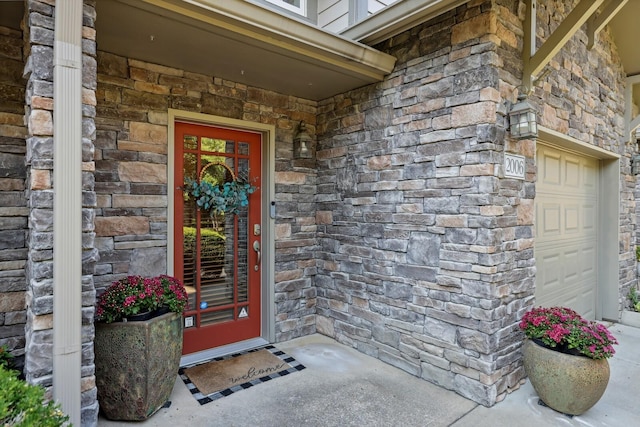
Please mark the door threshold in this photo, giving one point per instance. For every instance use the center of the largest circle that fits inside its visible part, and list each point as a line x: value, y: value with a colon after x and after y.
x: 212, y: 353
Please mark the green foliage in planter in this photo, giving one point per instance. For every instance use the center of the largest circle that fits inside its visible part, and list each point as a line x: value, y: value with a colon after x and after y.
x: 637, y: 253
x: 21, y: 404
x: 635, y: 299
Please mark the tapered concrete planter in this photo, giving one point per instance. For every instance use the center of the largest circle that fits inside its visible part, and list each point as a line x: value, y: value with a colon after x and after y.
x: 569, y: 384
x: 136, y: 365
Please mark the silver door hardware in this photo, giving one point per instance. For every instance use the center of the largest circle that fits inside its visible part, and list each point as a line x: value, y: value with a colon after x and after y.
x: 256, y: 247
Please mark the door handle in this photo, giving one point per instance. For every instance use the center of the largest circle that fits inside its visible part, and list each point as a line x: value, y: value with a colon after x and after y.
x: 256, y: 247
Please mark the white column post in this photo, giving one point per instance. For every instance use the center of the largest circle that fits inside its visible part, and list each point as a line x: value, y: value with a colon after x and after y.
x: 67, y: 208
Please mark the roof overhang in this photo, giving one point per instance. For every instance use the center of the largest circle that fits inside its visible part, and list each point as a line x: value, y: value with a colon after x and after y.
x: 241, y: 42
x: 626, y: 33
x: 398, y: 17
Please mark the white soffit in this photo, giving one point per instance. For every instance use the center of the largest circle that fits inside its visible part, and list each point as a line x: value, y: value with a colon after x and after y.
x: 241, y: 42
x: 626, y: 33
x: 396, y: 18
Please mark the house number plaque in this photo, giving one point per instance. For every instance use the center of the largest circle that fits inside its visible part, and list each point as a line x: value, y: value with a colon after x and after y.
x: 514, y: 166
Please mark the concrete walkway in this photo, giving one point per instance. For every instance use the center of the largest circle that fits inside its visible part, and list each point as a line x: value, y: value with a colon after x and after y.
x: 342, y: 387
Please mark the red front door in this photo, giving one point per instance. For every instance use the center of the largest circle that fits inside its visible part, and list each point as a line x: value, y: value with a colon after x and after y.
x: 218, y: 256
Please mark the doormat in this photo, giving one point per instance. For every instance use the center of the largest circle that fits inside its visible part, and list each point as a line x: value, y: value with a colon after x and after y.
x: 222, y: 376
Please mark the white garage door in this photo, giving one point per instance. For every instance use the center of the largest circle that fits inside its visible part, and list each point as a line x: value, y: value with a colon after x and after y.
x: 566, y: 238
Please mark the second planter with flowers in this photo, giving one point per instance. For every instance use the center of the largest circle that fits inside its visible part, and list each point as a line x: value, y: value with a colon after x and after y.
x: 565, y: 358
x: 137, y: 361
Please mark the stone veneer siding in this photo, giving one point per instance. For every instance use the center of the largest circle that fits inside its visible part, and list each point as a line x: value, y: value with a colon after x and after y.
x: 13, y: 205
x: 426, y: 257
x: 131, y: 175
x: 420, y: 252
x: 39, y: 38
x: 583, y: 97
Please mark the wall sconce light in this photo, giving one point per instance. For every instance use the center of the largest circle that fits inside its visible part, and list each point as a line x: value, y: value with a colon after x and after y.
x: 635, y: 165
x: 523, y: 120
x: 302, y: 143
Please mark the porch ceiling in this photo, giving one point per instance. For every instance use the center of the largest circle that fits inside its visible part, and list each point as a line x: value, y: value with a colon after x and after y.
x: 626, y: 32
x: 11, y: 13
x: 274, y: 52
x: 239, y: 41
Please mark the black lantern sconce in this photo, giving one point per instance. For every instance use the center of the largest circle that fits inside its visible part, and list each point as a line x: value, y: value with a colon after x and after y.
x: 302, y: 143
x: 523, y: 120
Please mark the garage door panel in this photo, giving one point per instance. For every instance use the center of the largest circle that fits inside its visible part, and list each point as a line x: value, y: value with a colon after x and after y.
x: 583, y: 302
x: 572, y: 173
x: 551, y: 168
x: 590, y: 173
x: 589, y: 212
x: 556, y: 219
x: 571, y: 219
x: 571, y: 265
x: 587, y: 304
x: 566, y: 230
x: 549, y: 267
x: 567, y: 262
x: 562, y: 296
x: 551, y: 221
x: 566, y: 172
x: 588, y: 260
x: 569, y: 300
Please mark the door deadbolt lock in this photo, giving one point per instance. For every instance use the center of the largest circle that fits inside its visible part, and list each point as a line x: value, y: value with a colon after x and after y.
x: 256, y: 229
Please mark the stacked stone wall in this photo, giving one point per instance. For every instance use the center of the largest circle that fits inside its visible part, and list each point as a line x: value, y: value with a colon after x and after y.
x: 582, y: 95
x: 404, y: 237
x: 13, y: 210
x: 39, y: 40
x: 426, y: 254
x: 426, y: 257
x: 131, y: 175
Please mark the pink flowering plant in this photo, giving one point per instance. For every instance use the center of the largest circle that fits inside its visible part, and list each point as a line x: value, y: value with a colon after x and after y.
x: 562, y: 329
x: 136, y: 295
x: 174, y: 294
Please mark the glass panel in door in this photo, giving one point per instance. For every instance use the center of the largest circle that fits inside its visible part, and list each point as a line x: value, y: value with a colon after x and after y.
x: 217, y: 254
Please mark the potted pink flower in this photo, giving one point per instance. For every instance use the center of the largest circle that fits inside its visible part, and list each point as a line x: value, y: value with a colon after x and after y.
x: 140, y: 298
x: 138, y: 345
x: 174, y: 295
x: 565, y: 358
x: 564, y: 330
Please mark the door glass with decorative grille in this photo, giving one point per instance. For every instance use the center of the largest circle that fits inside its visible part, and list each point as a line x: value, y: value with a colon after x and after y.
x: 217, y: 250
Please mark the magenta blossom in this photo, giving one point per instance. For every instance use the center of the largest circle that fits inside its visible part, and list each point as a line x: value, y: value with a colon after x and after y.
x: 135, y: 294
x: 563, y: 329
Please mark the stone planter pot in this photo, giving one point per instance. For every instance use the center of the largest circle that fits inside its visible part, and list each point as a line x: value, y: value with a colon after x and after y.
x: 137, y: 365
x: 567, y: 383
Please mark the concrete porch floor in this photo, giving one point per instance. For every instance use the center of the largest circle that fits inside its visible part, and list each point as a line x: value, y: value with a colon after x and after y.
x: 342, y: 387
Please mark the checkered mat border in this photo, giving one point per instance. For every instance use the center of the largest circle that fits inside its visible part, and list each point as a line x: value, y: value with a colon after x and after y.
x: 202, y: 398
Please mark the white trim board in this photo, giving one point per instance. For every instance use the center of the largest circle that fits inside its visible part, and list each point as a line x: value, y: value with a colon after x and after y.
x: 570, y: 143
